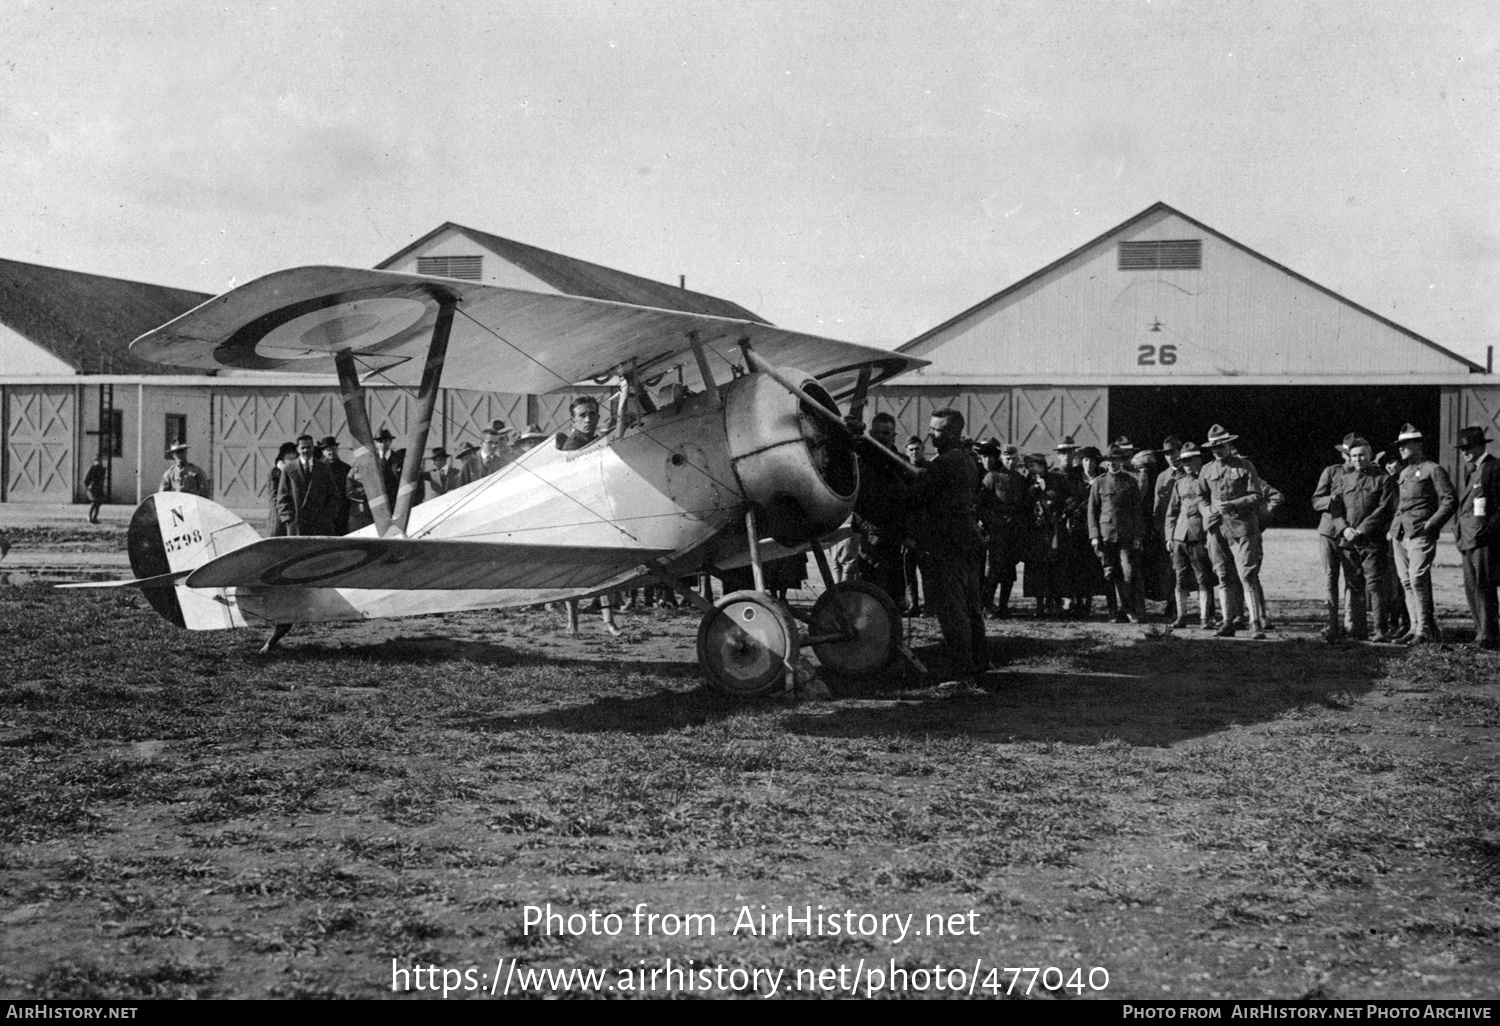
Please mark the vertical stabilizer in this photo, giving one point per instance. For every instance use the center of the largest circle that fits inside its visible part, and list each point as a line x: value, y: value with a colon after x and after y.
x: 175, y: 531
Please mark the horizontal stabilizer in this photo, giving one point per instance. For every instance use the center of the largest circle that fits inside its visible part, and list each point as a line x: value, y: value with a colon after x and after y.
x: 405, y: 564
x: 159, y: 581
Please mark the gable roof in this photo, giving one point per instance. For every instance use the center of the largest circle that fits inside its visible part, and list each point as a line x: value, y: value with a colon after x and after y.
x: 575, y: 277
x: 916, y: 345
x: 87, y: 320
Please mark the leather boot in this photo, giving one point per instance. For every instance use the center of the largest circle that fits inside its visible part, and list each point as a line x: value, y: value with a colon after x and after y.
x: 1182, y: 608
x: 1206, y: 609
x: 1358, y: 617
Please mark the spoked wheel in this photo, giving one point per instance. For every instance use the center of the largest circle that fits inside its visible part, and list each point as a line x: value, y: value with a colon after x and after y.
x: 876, y: 624
x: 745, y: 644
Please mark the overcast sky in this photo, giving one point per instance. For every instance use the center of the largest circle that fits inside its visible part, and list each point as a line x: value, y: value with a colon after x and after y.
x: 862, y: 170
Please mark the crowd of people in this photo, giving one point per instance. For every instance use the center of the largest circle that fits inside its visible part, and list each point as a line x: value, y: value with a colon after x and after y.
x: 1173, y: 525
x: 1180, y: 525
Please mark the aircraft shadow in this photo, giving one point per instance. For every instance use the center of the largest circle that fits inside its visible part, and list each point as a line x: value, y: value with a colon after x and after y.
x: 1154, y: 692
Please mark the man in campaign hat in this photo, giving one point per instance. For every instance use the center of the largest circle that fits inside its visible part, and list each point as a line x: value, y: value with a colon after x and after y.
x: 1427, y: 501
x: 1117, y: 532
x: 1159, y: 547
x: 183, y: 476
x: 1189, y: 539
x: 1478, y: 532
x: 1235, y: 502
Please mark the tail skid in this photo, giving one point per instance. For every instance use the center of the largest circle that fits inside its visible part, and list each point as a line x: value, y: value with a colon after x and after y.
x: 171, y: 534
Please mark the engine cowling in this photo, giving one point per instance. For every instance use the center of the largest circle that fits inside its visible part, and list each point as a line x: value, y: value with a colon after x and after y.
x: 799, y: 472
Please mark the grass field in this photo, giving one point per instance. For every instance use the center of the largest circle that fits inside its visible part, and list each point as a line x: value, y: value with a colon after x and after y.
x: 179, y: 817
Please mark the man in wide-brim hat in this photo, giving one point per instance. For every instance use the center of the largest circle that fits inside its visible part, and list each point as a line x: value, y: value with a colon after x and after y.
x: 1478, y: 532
x: 1117, y: 531
x: 1235, y: 502
x: 183, y: 476
x: 1427, y: 502
x: 1188, y: 538
x: 1005, y: 511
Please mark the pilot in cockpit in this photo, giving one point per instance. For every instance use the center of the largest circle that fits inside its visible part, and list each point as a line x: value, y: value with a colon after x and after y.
x: 585, y: 410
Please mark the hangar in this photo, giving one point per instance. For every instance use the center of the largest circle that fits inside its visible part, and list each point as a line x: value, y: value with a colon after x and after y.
x: 1163, y: 325
x: 69, y: 386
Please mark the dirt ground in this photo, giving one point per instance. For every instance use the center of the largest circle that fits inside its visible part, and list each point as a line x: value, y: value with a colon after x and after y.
x: 1148, y: 813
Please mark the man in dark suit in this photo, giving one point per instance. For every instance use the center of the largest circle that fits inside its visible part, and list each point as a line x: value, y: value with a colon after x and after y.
x: 1479, y: 535
x: 305, y: 497
x: 328, y: 451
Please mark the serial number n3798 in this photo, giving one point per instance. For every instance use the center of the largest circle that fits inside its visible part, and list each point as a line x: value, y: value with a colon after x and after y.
x: 182, y: 541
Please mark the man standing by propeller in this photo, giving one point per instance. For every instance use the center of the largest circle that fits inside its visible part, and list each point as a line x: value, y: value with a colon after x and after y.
x: 950, y: 550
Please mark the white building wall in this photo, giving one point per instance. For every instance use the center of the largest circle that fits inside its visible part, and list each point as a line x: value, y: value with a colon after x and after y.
x: 1237, y: 317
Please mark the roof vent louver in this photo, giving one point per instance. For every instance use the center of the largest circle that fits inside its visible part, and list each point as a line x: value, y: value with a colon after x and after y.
x: 1162, y: 255
x: 466, y: 267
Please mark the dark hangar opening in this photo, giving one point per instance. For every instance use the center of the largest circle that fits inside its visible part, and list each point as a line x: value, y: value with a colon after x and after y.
x: 1288, y: 431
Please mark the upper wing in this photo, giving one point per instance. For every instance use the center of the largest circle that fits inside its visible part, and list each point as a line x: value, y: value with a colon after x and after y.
x: 404, y: 564
x: 503, y: 339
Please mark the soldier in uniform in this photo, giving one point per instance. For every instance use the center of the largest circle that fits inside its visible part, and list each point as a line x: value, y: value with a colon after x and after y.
x: 1005, y: 513
x: 1235, y: 501
x: 183, y: 476
x: 880, y: 513
x: 1161, y: 542
x: 1427, y: 502
x: 950, y: 547
x: 1366, y: 503
x: 1116, y: 533
x: 1084, y: 572
x: 1326, y: 501
x: 93, y: 487
x: 1188, y: 538
x: 1478, y: 534
x: 1398, y: 617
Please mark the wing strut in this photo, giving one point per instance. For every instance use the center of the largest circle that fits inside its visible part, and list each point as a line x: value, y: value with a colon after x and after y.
x: 427, y: 391
x: 353, y: 394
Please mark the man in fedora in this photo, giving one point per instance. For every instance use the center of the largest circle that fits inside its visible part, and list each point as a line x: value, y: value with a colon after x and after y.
x: 1235, y: 501
x: 444, y: 476
x: 1478, y: 531
x: 1327, y: 502
x: 183, y: 476
x: 1427, y: 501
x: 1117, y: 532
x: 1189, y: 539
x: 389, y: 464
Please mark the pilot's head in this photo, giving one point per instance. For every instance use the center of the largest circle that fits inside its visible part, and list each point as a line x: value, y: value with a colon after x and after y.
x: 585, y: 415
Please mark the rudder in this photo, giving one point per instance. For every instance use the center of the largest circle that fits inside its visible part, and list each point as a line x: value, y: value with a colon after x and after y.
x: 175, y: 531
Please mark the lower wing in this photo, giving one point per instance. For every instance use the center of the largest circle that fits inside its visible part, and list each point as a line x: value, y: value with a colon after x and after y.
x: 404, y: 564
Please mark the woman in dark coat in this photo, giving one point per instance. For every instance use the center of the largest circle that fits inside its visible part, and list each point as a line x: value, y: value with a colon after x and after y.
x: 274, y: 527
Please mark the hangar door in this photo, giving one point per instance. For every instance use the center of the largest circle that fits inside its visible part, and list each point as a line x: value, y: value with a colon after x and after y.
x: 1034, y: 417
x: 39, y: 443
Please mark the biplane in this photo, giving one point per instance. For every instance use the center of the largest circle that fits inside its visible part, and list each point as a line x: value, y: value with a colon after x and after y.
x: 744, y: 458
